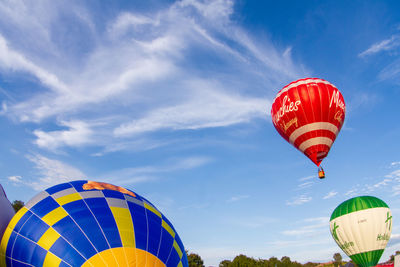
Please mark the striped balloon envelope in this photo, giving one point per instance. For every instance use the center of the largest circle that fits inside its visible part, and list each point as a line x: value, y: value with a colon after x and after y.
x: 361, y: 227
x: 309, y: 114
x: 86, y: 223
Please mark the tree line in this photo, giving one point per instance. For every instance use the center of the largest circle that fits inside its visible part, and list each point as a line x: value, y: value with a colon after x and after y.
x: 245, y: 261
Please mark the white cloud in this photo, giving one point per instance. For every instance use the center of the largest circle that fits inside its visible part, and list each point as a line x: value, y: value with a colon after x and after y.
x: 126, y: 20
x: 51, y: 172
x: 128, y: 176
x: 330, y: 194
x: 237, y: 198
x: 391, y: 47
x: 10, y: 59
x: 16, y: 179
x: 214, y: 10
x: 394, y: 175
x: 79, y: 133
x: 305, y: 185
x: 313, y: 226
x: 308, y: 235
x: 222, y: 110
x: 353, y: 192
x: 382, y: 183
x: 391, y: 71
x: 389, y: 184
x: 395, y: 163
x: 138, y: 144
x: 300, y: 200
x: 384, y: 45
x: 138, y: 69
x: 307, y: 178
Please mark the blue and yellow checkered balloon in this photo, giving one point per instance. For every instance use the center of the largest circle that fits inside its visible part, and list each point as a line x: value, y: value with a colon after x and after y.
x: 86, y: 223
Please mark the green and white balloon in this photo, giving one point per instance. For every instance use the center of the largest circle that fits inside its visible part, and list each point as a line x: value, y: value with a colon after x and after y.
x: 361, y: 226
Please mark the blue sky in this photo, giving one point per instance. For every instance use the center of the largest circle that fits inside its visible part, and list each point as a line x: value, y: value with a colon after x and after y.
x: 172, y: 100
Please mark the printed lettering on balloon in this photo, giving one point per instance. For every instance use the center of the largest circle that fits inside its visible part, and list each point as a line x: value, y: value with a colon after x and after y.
x: 339, y: 116
x: 347, y: 245
x: 287, y: 125
x: 336, y: 100
x: 381, y: 237
x: 287, y: 106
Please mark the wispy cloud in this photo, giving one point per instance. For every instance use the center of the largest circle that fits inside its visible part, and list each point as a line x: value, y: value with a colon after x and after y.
x: 331, y: 194
x: 352, y: 192
x: 79, y: 133
x: 391, y: 71
x: 15, y: 179
x: 391, y: 47
x: 380, y: 184
x: 299, y: 200
x: 222, y: 110
x: 389, y: 184
x: 305, y: 185
x: 313, y: 226
x: 305, y: 182
x: 134, y: 175
x: 13, y: 60
x: 394, y: 175
x: 307, y: 178
x: 384, y: 45
x: 237, y: 198
x: 150, y: 84
x: 49, y: 172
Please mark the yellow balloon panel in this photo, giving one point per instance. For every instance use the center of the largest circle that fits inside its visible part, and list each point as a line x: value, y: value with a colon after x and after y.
x: 123, y: 257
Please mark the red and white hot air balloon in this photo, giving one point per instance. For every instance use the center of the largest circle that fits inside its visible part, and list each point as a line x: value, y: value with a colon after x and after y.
x: 309, y: 114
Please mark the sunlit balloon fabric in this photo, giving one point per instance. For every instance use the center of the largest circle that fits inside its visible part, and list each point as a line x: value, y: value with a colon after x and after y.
x: 85, y: 223
x: 361, y: 226
x: 309, y: 114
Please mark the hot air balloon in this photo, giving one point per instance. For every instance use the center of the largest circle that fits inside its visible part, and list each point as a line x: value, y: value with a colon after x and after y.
x: 309, y: 114
x: 86, y: 223
x: 6, y: 211
x: 361, y: 226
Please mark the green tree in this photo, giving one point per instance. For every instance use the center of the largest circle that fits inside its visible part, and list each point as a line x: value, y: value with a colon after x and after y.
x: 243, y: 261
x: 285, y: 261
x: 225, y: 263
x: 194, y: 260
x: 337, y: 259
x: 17, y: 205
x: 273, y: 262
